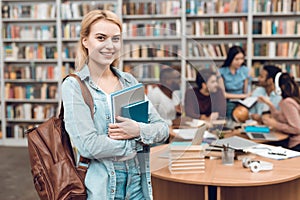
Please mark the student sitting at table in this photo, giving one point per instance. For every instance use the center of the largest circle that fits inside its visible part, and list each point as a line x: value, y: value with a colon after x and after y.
x: 206, y: 101
x: 165, y: 96
x: 287, y: 118
x: 266, y: 88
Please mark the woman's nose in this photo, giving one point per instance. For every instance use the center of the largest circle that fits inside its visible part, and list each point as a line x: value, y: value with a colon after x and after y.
x: 108, y: 43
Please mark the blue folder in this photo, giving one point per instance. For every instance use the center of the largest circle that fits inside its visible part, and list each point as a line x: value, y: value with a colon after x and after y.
x: 257, y: 129
x: 136, y: 111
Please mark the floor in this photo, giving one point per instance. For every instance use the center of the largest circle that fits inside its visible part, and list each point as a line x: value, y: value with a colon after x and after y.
x: 15, y: 177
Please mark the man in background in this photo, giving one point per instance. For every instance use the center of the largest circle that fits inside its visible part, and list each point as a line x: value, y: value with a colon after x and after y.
x: 206, y: 101
x: 165, y: 97
x: 266, y: 88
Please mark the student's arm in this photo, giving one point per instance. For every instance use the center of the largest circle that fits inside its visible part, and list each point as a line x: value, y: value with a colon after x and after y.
x: 267, y: 101
x: 156, y: 130
x: 221, y: 84
x: 246, y: 81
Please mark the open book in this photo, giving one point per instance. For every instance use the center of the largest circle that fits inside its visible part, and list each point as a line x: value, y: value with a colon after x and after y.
x: 248, y: 102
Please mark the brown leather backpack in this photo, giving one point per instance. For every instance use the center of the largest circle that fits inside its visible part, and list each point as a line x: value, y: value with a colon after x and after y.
x: 55, y: 174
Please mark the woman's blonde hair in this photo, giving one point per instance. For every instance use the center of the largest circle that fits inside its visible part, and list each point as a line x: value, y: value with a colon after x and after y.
x: 88, y: 20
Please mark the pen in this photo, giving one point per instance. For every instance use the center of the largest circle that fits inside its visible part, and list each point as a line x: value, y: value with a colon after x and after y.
x: 219, y: 146
x: 279, y: 154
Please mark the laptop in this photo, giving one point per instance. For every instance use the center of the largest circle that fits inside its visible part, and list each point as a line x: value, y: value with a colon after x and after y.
x: 235, y: 142
x: 198, y: 138
x: 193, y: 135
x: 262, y: 136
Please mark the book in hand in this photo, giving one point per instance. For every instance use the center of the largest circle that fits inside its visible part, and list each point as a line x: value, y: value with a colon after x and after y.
x: 247, y: 102
x: 124, y: 97
x: 136, y: 111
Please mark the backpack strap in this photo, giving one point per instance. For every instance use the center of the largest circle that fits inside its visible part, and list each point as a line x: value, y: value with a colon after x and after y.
x: 88, y: 99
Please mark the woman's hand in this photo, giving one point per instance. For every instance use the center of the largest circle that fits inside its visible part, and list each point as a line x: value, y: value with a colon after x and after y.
x: 269, y: 121
x: 214, y: 116
x: 124, y: 129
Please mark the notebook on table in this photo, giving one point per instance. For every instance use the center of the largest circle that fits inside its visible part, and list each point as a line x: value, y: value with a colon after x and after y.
x: 198, y: 138
x: 260, y: 133
x: 262, y: 136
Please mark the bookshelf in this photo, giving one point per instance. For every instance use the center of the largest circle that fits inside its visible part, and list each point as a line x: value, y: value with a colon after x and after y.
x: 39, y: 38
x: 1, y: 87
x: 276, y: 33
x: 152, y: 37
x: 30, y: 75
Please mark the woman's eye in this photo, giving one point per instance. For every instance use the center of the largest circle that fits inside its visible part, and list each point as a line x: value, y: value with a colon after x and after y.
x: 116, y: 39
x: 101, y: 38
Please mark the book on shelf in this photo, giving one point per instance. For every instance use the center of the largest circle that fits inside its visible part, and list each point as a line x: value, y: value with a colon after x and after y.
x: 126, y: 97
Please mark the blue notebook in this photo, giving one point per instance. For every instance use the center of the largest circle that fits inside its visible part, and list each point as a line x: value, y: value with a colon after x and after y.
x: 136, y: 111
x: 257, y: 129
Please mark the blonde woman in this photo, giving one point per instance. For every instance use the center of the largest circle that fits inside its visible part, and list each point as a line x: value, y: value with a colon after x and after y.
x: 119, y: 152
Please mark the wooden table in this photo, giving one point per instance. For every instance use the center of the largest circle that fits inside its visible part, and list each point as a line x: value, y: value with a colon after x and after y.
x: 233, y: 182
x: 237, y: 132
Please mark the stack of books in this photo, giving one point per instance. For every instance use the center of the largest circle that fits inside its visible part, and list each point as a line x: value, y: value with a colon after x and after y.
x: 186, y: 158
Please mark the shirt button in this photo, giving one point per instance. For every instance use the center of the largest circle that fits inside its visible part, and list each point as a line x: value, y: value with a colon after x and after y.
x: 107, y: 117
x: 112, y: 173
x: 112, y: 190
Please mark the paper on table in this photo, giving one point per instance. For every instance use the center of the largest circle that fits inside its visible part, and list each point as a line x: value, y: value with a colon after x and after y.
x: 273, y: 152
x: 195, y: 123
x: 189, y: 134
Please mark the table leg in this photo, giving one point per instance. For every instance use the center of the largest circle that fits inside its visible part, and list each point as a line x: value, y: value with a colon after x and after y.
x: 206, y: 194
x: 218, y: 193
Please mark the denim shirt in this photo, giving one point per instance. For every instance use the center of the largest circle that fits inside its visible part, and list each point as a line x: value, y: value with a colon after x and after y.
x: 91, y: 140
x: 234, y: 83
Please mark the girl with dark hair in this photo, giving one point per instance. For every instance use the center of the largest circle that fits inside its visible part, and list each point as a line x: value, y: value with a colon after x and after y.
x: 287, y: 118
x: 234, y: 77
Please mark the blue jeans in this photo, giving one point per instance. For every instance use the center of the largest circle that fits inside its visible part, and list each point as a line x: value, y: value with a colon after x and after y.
x: 128, y: 176
x: 229, y: 108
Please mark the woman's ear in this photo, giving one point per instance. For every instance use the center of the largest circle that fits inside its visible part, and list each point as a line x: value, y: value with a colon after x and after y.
x: 84, y: 42
x: 270, y: 81
x: 204, y: 86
